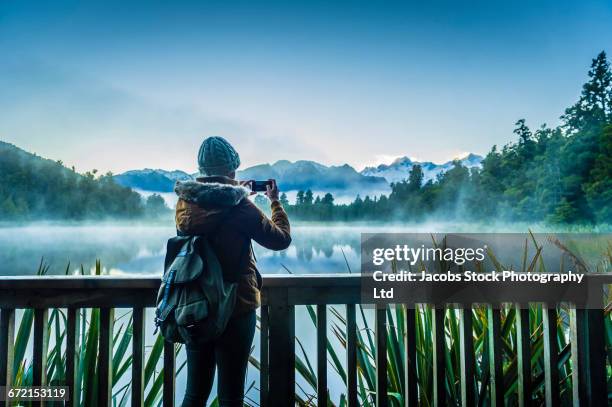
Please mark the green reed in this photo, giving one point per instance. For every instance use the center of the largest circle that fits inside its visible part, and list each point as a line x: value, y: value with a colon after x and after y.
x: 88, y: 336
x: 88, y: 331
x: 396, y: 332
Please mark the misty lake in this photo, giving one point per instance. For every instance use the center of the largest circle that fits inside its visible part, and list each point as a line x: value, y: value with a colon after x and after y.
x: 138, y: 250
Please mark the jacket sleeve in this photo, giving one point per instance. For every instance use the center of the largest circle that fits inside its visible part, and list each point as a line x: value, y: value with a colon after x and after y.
x: 274, y: 233
x: 183, y: 217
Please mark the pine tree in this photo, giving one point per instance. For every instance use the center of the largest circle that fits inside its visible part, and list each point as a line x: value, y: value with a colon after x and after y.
x: 299, y: 199
x: 308, y: 197
x: 415, y: 178
x: 283, y: 200
x: 328, y: 199
x: 526, y: 144
x: 155, y: 206
x: 599, y: 188
x: 595, y: 104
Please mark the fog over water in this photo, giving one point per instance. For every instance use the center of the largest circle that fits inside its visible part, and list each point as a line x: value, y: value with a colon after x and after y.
x: 137, y: 249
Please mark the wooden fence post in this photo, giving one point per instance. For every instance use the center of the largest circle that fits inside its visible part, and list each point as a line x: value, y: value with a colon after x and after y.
x: 281, y: 349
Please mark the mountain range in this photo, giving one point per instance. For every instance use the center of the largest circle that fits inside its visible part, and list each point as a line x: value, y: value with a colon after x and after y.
x: 343, y: 181
x: 399, y: 169
x: 152, y: 180
x: 304, y: 174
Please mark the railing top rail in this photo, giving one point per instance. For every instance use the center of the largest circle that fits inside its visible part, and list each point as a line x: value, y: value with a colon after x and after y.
x: 144, y: 282
x: 126, y: 291
x: 149, y: 281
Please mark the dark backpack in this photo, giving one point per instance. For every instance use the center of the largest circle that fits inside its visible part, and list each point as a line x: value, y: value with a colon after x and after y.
x: 194, y: 303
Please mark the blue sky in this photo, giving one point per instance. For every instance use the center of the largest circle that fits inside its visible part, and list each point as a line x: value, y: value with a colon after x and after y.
x: 123, y: 85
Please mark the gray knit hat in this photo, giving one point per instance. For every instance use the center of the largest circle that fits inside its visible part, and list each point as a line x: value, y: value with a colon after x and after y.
x: 217, y: 157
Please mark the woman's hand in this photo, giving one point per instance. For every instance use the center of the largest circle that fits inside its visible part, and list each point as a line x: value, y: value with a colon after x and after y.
x: 272, y: 190
x: 248, y: 184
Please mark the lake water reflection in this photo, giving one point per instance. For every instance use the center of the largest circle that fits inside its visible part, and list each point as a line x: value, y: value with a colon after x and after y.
x: 139, y: 250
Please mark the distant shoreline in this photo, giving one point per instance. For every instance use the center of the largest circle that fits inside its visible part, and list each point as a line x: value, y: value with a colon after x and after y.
x: 431, y: 226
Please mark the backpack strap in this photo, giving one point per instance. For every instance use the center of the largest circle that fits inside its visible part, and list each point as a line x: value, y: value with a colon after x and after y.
x: 248, y: 247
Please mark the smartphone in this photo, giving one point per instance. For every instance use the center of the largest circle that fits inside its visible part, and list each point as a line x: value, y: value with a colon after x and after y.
x: 260, y: 186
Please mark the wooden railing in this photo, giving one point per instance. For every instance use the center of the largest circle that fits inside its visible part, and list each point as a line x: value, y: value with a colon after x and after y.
x: 280, y: 296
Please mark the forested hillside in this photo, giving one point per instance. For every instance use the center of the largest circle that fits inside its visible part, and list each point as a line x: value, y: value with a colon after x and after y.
x: 557, y: 174
x: 32, y: 187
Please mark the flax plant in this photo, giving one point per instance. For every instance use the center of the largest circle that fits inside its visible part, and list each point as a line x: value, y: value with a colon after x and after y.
x: 88, y: 332
x: 396, y: 336
x: 88, y: 336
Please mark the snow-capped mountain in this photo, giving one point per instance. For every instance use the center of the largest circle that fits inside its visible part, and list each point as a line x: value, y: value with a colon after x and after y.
x: 291, y: 176
x: 155, y: 180
x: 303, y: 175
x: 399, y: 169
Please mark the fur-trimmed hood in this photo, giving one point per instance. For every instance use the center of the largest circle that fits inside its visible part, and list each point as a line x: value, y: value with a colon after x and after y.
x: 210, y: 193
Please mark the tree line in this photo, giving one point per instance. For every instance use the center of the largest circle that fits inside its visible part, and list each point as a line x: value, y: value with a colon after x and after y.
x: 559, y: 174
x: 34, y: 188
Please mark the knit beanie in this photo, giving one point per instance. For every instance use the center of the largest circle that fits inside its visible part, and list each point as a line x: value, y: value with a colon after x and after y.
x: 217, y: 157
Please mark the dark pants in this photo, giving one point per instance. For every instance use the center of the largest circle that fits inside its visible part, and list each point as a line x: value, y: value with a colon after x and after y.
x: 230, y: 354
